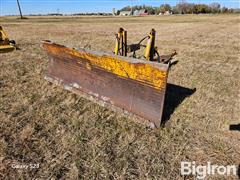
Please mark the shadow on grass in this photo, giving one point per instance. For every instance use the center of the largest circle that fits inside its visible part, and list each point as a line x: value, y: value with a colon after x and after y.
x: 22, y: 18
x: 174, y: 97
x: 238, y: 171
x: 234, y: 127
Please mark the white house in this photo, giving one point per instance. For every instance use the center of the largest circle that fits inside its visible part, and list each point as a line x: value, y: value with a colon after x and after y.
x: 125, y: 13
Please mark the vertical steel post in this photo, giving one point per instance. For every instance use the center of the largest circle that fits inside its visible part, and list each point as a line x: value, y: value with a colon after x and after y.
x: 125, y: 43
x: 116, y: 50
x: 119, y: 42
x: 149, y: 51
x: 152, y: 52
x: 122, y: 45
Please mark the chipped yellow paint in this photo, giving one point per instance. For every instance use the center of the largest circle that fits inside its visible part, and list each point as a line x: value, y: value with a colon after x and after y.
x: 145, y: 73
x: 141, y: 72
x: 88, y: 66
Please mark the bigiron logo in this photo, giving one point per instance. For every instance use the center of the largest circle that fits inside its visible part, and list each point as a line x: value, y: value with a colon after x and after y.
x: 201, y: 171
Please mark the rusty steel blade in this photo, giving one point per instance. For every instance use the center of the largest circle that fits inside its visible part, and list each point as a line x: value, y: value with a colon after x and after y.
x: 132, y: 85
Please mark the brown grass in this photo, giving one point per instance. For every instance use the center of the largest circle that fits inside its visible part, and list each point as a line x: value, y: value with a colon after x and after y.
x: 71, y: 137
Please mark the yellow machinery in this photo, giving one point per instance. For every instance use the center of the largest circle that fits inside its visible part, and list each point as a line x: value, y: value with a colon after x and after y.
x: 134, y: 86
x: 6, y: 45
x: 150, y: 54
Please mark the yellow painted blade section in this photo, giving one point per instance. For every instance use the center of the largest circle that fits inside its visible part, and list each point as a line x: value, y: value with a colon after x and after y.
x: 6, y: 48
x: 140, y: 70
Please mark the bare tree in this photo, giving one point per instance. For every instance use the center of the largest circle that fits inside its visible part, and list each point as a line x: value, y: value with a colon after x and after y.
x: 165, y: 7
x: 215, y: 7
x: 19, y: 7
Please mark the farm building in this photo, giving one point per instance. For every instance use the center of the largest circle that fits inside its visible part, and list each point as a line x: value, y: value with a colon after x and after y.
x: 165, y: 13
x: 125, y: 13
x: 141, y: 12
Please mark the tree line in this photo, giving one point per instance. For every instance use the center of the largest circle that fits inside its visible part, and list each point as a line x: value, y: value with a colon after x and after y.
x: 183, y: 8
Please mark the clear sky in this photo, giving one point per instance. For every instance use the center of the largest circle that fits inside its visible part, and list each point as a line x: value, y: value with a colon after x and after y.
x: 9, y: 7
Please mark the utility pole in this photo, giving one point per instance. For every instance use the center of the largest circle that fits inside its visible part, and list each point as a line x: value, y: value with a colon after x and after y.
x: 20, y: 11
x: 131, y: 7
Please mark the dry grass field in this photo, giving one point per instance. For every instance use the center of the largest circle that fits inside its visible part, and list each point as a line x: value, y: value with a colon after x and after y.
x: 71, y: 137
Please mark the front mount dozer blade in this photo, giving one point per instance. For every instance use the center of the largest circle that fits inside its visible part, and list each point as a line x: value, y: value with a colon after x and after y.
x: 136, y: 87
